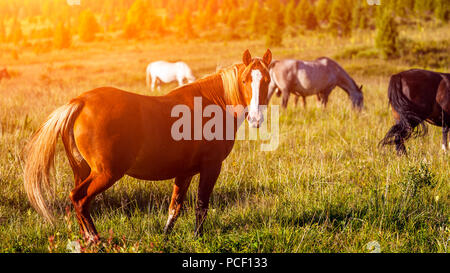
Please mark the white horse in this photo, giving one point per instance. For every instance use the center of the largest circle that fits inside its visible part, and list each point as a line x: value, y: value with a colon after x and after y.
x: 167, y: 72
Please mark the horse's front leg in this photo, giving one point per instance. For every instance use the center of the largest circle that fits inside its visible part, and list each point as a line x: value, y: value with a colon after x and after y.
x: 208, y: 178
x: 180, y: 81
x: 296, y: 100
x: 285, y: 100
x: 272, y: 89
x: 445, y: 130
x: 180, y: 188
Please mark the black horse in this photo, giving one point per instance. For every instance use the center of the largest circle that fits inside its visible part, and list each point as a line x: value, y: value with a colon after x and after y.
x: 417, y: 96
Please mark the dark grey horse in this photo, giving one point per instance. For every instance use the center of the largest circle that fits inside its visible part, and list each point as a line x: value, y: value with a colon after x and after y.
x: 306, y: 78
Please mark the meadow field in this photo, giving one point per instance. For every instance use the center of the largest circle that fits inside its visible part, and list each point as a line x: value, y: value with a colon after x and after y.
x: 328, y: 187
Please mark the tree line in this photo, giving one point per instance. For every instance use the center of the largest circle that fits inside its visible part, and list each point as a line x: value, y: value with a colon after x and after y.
x: 28, y: 21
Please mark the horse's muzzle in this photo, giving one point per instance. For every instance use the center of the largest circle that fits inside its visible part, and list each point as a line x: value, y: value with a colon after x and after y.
x: 255, y: 120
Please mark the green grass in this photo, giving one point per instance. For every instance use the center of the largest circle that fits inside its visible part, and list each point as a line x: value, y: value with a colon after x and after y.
x: 327, y: 188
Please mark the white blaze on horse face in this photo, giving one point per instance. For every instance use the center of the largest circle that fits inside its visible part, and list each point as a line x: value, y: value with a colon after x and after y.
x: 255, y: 116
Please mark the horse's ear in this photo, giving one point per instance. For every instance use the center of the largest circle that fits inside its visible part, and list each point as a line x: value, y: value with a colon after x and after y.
x: 267, y: 58
x: 247, y: 58
x: 360, y: 88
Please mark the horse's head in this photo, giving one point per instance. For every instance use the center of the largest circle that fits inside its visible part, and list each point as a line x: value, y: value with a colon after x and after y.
x: 254, y: 82
x: 190, y: 78
x: 358, y: 98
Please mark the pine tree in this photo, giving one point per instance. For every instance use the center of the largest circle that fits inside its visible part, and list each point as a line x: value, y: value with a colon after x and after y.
x: 387, y: 34
x: 185, y: 28
x: 88, y: 26
x: 421, y: 7
x: 323, y: 10
x: 258, y: 21
x: 360, y: 16
x: 205, y: 19
x: 2, y: 31
x: 16, y: 34
x: 232, y: 18
x: 305, y: 14
x: 442, y: 10
x: 407, y: 4
x: 274, y: 36
x: 61, y: 38
x: 137, y: 20
x: 341, y: 17
x: 290, y: 16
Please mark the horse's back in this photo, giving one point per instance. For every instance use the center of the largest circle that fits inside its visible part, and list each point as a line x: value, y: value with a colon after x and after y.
x: 281, y: 73
x: 316, y: 75
x: 163, y: 70
x: 419, y: 84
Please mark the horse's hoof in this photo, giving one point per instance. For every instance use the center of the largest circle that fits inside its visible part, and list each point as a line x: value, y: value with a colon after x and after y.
x: 92, y: 238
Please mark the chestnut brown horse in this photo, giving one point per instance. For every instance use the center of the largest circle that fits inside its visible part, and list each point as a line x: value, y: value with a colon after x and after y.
x: 108, y: 133
x: 417, y: 96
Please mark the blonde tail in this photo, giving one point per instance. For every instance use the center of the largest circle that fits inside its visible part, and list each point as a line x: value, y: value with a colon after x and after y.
x: 40, y: 152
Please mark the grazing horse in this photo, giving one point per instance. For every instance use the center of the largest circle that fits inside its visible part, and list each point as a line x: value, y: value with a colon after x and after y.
x: 4, y: 74
x: 416, y: 96
x: 318, y: 77
x: 108, y: 133
x: 161, y: 71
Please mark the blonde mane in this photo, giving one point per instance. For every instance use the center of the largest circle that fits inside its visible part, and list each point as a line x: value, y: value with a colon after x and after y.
x: 230, y: 83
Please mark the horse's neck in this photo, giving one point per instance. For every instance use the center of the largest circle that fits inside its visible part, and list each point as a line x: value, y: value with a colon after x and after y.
x: 211, y: 89
x: 345, y: 81
x: 212, y: 92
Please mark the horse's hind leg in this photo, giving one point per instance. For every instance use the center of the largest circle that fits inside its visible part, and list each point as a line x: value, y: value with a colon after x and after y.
x: 324, y: 96
x: 208, y: 178
x: 180, y: 188
x: 180, y: 81
x: 80, y: 168
x: 399, y: 145
x: 296, y: 100
x: 304, y: 101
x: 82, y: 196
